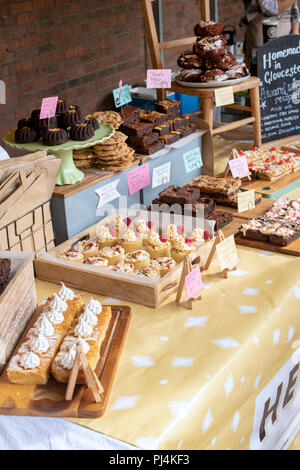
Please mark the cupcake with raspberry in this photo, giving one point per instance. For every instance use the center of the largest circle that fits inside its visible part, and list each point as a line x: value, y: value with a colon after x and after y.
x: 139, y: 258
x: 87, y: 248
x: 96, y: 261
x: 122, y: 268
x: 142, y: 229
x: 130, y: 241
x: 106, y: 237
x: 180, y: 249
x: 113, y: 254
x: 74, y: 256
x: 156, y: 246
x: 165, y: 264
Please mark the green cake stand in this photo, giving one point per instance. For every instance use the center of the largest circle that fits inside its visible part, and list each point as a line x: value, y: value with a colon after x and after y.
x: 67, y: 173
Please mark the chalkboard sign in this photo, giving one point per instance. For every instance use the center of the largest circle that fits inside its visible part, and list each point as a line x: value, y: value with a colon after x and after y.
x: 278, y: 67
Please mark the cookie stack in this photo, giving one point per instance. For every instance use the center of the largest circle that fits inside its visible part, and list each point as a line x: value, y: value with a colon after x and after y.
x: 114, y: 154
x: 110, y: 117
x: 84, y: 158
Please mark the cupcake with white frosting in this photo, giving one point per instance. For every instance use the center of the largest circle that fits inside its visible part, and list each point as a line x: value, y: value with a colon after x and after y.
x: 74, y: 256
x: 87, y: 248
x: 105, y: 237
x: 139, y: 258
x: 113, y: 254
x: 157, y: 247
x: 130, y: 241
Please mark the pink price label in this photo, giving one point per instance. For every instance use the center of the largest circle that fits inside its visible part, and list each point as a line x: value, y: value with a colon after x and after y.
x: 48, y: 108
x: 159, y: 78
x: 193, y: 282
x: 239, y: 167
x: 138, y: 178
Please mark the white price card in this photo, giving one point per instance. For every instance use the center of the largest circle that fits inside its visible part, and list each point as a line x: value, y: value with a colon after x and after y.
x: 246, y: 200
x: 224, y: 95
x: 227, y: 254
x: 107, y: 193
x: 161, y: 174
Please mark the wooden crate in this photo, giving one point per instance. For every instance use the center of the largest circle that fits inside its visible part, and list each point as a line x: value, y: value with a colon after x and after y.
x: 17, y: 303
x: 149, y: 292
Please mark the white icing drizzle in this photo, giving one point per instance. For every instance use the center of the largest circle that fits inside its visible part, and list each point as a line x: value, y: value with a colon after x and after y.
x: 29, y: 360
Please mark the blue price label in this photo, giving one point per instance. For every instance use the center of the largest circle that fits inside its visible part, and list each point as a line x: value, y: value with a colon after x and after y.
x: 125, y: 96
x: 192, y: 160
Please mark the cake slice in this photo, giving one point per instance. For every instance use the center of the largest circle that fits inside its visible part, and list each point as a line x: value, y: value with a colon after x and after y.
x: 89, y: 330
x: 32, y: 361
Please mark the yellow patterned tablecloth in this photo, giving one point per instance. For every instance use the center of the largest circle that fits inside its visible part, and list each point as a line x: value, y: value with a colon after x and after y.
x: 199, y: 379
x: 222, y: 376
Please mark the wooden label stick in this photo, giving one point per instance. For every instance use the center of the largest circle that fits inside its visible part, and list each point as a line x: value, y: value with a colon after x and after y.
x: 73, y: 378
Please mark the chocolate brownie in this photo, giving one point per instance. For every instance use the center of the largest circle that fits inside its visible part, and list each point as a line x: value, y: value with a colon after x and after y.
x: 208, y: 28
x: 5, y: 265
x: 153, y: 116
x: 209, y: 47
x: 203, y: 205
x: 215, y: 75
x: 191, y: 75
x: 150, y: 149
x: 187, y: 130
x: 189, y: 60
x: 137, y: 128
x: 164, y: 129
x: 237, y: 71
x: 280, y: 233
x: 167, y: 106
x: 179, y: 195
x: 216, y: 186
x: 170, y: 138
x: 222, y: 62
x: 130, y: 113
x: 179, y: 122
x: 143, y: 141
x: 221, y: 218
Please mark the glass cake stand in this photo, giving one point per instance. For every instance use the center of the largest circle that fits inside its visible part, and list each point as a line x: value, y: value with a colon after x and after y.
x: 67, y: 173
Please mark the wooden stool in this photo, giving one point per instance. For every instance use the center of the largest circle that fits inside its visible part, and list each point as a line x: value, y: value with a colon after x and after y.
x: 206, y: 94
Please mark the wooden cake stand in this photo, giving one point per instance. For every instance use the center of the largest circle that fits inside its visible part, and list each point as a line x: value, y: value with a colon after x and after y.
x: 67, y: 173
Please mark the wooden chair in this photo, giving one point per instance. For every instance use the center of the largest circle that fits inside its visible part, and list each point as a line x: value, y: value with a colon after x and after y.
x: 206, y: 94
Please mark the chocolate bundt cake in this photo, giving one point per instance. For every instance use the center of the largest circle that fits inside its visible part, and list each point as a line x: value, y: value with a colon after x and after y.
x: 92, y: 121
x: 73, y: 115
x: 208, y: 28
x: 26, y: 135
x: 61, y: 106
x: 47, y: 123
x: 54, y: 136
x: 26, y: 122
x: 81, y: 131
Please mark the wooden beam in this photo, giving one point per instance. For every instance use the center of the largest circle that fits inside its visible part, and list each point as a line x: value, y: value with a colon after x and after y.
x: 232, y: 125
x: 205, y: 10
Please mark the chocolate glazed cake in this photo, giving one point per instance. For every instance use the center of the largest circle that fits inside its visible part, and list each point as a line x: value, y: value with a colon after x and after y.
x: 81, y: 131
x: 26, y: 135
x: 74, y: 115
x: 93, y: 122
x: 54, y: 136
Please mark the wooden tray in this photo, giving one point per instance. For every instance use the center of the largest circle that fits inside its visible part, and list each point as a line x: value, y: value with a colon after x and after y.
x: 151, y: 293
x: 274, y: 189
x: 48, y: 400
x: 264, y: 205
x: 292, y: 249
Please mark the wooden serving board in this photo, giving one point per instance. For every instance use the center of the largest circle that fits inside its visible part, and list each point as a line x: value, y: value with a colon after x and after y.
x: 49, y: 399
x: 264, y: 205
x: 274, y: 189
x: 293, y: 249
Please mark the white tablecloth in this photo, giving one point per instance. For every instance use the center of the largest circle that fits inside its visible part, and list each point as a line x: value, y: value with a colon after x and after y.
x: 36, y: 433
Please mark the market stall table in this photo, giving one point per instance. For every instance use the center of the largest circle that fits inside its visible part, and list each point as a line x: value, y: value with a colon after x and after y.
x: 179, y: 368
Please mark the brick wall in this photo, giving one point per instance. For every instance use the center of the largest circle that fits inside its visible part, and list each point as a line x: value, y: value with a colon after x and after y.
x: 80, y: 49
